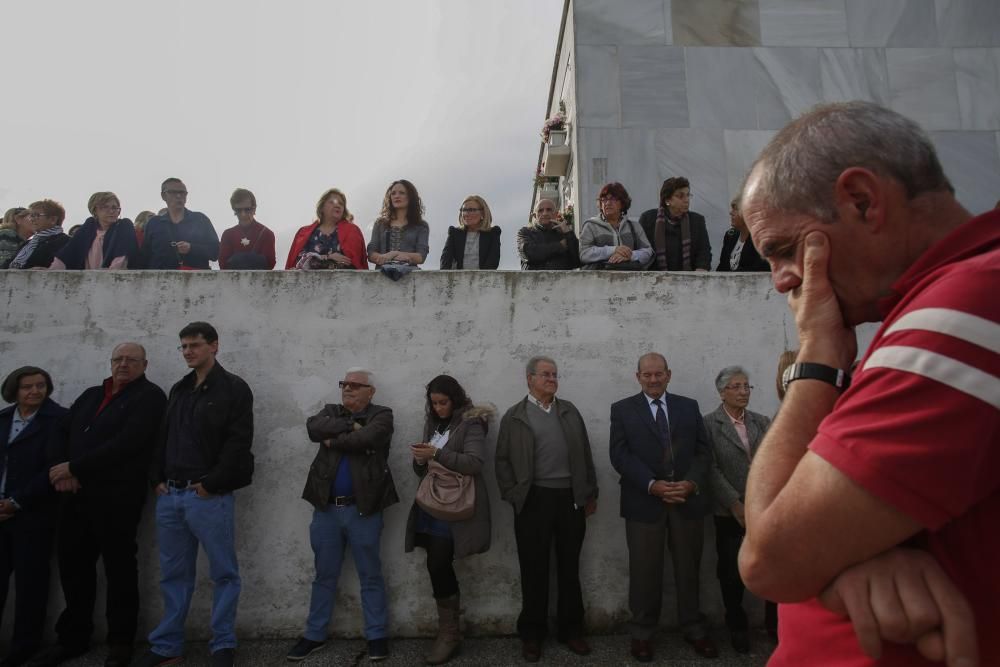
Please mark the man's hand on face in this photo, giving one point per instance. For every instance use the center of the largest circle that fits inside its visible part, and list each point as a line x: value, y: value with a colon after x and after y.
x: 824, y: 337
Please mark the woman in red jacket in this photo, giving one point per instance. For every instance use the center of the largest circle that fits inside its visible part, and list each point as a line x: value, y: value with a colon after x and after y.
x: 332, y: 241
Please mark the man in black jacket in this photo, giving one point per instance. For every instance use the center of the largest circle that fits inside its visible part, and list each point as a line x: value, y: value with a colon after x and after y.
x: 202, y: 456
x: 349, y: 484
x: 104, y: 447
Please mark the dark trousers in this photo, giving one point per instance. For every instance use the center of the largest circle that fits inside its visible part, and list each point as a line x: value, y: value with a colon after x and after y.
x: 549, y: 515
x: 440, y: 564
x: 25, y: 549
x: 99, y: 527
x: 646, y: 542
x: 728, y: 538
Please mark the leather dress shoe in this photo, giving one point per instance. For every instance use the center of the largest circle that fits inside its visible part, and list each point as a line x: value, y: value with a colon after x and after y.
x: 704, y: 647
x: 740, y: 640
x: 642, y: 650
x: 531, y: 650
x: 578, y: 645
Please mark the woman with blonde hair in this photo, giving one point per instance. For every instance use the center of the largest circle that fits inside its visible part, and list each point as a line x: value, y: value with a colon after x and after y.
x: 332, y: 241
x: 48, y: 238
x: 105, y: 241
x: 14, y: 232
x: 475, y: 243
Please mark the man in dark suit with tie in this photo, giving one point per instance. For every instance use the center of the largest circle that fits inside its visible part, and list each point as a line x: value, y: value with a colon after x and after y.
x: 660, y: 448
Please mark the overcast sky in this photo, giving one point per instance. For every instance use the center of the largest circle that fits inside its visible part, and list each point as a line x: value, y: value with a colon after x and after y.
x: 285, y: 98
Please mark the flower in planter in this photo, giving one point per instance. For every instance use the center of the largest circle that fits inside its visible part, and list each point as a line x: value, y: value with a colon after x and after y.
x: 556, y: 122
x: 567, y: 213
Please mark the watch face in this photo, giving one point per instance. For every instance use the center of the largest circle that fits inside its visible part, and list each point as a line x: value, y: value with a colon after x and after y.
x: 786, y: 376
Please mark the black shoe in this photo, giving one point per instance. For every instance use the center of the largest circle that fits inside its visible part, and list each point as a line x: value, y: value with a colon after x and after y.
x: 153, y: 659
x: 119, y: 655
x: 55, y: 655
x: 224, y: 657
x: 303, y: 649
x: 740, y: 640
x: 17, y: 658
x: 378, y: 649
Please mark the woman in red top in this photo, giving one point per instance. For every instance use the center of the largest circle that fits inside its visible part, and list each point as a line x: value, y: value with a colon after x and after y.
x: 248, y: 245
x: 332, y: 241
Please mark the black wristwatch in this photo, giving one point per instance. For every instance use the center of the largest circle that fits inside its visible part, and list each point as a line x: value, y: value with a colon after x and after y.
x: 808, y: 371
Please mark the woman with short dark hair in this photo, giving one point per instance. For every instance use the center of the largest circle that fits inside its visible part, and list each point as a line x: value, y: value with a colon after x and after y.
x: 249, y: 244
x: 612, y: 240
x: 454, y: 437
x: 27, y: 511
x: 679, y: 235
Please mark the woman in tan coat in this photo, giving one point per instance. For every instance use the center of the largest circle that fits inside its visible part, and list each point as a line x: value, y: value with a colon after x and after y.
x: 455, y: 437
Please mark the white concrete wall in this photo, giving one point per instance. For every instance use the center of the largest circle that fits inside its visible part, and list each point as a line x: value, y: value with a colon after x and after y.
x: 292, y: 335
x: 697, y: 88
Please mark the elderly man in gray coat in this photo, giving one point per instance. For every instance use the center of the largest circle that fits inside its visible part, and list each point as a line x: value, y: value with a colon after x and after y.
x: 735, y: 433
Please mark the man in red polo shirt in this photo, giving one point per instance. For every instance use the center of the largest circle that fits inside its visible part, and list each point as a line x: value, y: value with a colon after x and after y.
x: 852, y: 209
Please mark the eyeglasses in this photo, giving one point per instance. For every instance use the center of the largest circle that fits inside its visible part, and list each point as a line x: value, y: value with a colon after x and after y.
x: 176, y: 193
x: 470, y: 210
x: 681, y: 195
x: 739, y: 387
x: 115, y: 361
x: 548, y: 376
x: 110, y: 209
x: 607, y: 198
x: 244, y: 209
x: 353, y: 386
x: 36, y: 216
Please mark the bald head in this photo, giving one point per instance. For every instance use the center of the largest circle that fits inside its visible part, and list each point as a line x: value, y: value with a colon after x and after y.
x: 545, y: 211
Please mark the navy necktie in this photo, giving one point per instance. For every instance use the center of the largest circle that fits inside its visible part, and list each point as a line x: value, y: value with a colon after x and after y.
x: 664, y: 428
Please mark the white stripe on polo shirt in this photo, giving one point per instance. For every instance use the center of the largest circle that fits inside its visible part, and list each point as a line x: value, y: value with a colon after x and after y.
x: 970, y: 328
x: 955, y: 374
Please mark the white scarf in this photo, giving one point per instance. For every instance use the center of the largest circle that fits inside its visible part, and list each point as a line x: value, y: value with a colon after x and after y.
x: 29, y: 247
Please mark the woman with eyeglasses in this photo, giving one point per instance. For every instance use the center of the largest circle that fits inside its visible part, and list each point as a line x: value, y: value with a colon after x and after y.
x: 612, y: 241
x: 454, y: 437
x: 14, y: 232
x: 738, y: 251
x: 678, y: 235
x: 332, y: 241
x: 105, y: 241
x: 735, y: 434
x: 400, y: 234
x: 475, y: 243
x: 48, y: 239
x: 248, y: 245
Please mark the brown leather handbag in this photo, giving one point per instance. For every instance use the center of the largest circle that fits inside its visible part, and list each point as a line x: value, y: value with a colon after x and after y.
x: 446, y: 494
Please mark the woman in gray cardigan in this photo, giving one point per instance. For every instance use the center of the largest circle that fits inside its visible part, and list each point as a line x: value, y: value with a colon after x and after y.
x: 399, y: 236
x: 735, y: 434
x: 455, y: 437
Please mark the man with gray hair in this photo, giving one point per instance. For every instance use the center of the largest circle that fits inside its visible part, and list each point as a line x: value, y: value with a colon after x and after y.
x: 104, y: 447
x: 548, y: 243
x: 852, y: 209
x: 545, y: 469
x: 349, y: 484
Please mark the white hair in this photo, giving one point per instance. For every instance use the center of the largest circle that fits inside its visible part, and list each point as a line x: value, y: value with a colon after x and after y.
x: 369, y: 376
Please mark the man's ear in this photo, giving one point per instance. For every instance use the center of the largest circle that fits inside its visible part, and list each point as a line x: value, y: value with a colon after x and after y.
x: 859, y: 195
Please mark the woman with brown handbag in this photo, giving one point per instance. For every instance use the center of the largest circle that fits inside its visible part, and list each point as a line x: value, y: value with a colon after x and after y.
x: 455, y: 439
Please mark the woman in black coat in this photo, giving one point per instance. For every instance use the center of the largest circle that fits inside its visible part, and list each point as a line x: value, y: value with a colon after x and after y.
x: 27, y: 508
x: 48, y: 239
x: 738, y: 251
x: 475, y: 243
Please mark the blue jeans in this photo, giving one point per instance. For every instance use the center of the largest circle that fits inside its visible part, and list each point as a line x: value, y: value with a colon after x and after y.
x: 183, y: 520
x: 329, y: 533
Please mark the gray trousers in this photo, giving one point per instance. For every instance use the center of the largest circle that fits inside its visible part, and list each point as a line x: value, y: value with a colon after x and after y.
x: 646, y: 543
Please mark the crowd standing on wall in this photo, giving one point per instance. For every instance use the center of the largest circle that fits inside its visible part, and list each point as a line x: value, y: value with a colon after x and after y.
x: 809, y: 509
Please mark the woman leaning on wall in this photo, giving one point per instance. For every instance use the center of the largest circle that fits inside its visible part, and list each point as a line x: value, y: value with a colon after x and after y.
x: 475, y: 243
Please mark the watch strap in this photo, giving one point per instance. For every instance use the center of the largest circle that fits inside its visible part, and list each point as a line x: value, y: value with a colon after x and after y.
x: 836, y: 377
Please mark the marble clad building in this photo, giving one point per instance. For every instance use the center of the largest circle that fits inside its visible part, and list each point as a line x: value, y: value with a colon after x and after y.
x: 659, y: 88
